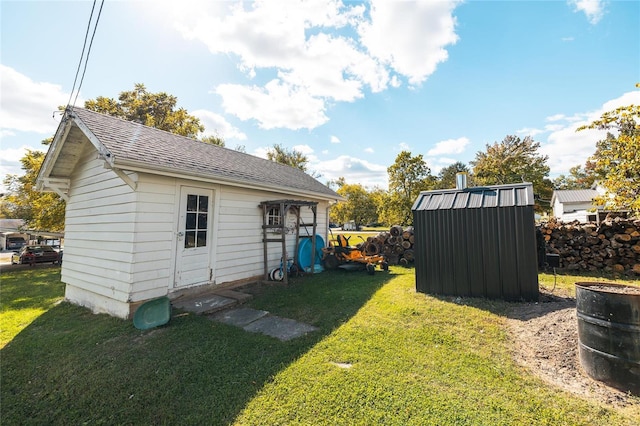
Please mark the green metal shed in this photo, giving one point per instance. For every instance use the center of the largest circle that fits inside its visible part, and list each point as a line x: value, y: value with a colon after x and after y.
x: 477, y: 242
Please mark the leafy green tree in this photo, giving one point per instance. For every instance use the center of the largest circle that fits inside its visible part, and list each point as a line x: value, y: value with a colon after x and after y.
x: 336, y: 183
x: 290, y: 157
x: 40, y: 210
x: 408, y: 176
x: 213, y: 140
x: 447, y: 176
x: 151, y: 109
x: 515, y: 160
x: 617, y: 158
x: 578, y: 178
x: 359, y: 207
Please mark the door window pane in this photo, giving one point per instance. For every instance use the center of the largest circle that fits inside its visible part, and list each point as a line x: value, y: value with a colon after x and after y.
x: 202, y: 221
x: 191, y: 221
x: 190, y: 239
x: 192, y: 203
x: 202, y: 239
x: 196, y: 221
x: 203, y: 204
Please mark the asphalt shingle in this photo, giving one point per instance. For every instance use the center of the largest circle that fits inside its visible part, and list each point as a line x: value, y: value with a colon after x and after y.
x: 130, y: 142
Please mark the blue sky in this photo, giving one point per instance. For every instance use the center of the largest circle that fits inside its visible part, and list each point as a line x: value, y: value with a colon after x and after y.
x: 350, y: 84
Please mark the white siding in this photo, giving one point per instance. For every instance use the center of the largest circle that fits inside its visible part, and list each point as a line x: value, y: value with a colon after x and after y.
x: 239, y: 234
x: 120, y: 244
x: 154, y: 242
x: 568, y: 212
x: 99, y: 236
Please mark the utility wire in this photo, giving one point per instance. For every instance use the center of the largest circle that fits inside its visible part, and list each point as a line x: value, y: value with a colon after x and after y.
x: 86, y: 61
x: 86, y: 35
x: 82, y: 55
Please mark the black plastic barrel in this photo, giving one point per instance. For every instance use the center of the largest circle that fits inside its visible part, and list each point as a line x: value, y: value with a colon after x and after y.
x: 609, y: 333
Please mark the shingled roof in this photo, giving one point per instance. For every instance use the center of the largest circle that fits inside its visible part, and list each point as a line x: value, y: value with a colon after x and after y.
x: 128, y: 145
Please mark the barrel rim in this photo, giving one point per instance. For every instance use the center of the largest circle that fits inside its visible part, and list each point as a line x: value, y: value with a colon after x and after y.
x: 588, y: 284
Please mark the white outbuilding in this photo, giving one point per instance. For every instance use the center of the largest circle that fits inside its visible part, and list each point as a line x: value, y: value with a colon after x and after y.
x: 150, y: 213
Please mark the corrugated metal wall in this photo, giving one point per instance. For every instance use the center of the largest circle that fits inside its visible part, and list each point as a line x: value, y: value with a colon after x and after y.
x: 477, y: 242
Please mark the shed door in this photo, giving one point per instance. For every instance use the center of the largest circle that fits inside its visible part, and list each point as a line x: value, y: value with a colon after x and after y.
x: 193, y: 262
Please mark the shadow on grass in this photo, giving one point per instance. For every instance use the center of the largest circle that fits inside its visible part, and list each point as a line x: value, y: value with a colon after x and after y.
x: 551, y: 297
x: 70, y: 366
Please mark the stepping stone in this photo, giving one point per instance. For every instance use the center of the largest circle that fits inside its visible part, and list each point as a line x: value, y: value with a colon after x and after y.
x: 238, y: 317
x: 281, y: 328
x: 206, y: 304
x: 232, y: 294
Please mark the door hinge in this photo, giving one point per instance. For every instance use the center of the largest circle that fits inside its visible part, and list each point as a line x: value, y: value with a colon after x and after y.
x: 210, y: 274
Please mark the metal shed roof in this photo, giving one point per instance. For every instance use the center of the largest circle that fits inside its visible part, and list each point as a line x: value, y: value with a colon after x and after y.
x: 575, y: 195
x: 477, y: 197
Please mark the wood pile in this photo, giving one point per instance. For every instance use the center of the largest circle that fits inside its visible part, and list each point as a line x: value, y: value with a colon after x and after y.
x: 396, y: 245
x: 612, y: 245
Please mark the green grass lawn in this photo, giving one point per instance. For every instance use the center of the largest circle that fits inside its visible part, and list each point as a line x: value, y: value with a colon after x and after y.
x: 384, y: 354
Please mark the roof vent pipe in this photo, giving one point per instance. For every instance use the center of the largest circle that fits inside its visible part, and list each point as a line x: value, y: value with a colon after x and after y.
x: 461, y: 180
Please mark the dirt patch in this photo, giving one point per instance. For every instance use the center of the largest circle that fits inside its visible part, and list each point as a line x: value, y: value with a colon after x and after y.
x: 545, y: 336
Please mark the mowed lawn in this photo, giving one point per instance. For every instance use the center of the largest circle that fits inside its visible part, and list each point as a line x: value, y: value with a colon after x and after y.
x: 384, y: 354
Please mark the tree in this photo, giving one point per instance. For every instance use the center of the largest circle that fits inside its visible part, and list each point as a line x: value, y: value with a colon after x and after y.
x: 578, y: 178
x: 290, y: 157
x: 359, y: 207
x: 617, y: 158
x: 45, y: 211
x: 447, y: 176
x: 511, y: 161
x: 336, y: 183
x: 39, y: 210
x: 407, y: 177
x: 213, y: 140
x: 151, y: 109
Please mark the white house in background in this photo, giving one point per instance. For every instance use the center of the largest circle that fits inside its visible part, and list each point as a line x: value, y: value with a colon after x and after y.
x: 150, y: 213
x: 575, y: 204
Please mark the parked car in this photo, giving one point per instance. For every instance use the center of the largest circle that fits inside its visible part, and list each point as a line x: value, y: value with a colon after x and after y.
x: 36, y: 254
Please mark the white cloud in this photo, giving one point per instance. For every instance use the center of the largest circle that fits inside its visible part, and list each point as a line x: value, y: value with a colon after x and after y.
x: 275, y: 105
x: 449, y: 146
x: 354, y: 170
x: 334, y: 139
x: 28, y: 105
x: 304, y: 149
x: 593, y: 9
x: 567, y: 148
x: 10, y: 162
x: 321, y: 52
x: 369, y: 150
x: 410, y: 36
x: 556, y: 117
x: 529, y: 131
x: 403, y: 146
x: 215, y: 124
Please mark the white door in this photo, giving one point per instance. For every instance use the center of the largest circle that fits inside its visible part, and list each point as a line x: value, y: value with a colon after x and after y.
x: 193, y: 261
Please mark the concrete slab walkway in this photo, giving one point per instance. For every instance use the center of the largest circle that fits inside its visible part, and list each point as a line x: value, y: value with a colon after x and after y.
x: 221, y: 306
x: 257, y: 321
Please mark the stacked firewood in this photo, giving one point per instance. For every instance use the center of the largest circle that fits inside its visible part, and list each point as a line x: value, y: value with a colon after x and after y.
x: 612, y: 245
x: 396, y: 245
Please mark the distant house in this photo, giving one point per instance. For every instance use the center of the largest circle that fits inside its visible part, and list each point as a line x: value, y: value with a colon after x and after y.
x: 574, y: 204
x: 150, y: 213
x: 577, y: 204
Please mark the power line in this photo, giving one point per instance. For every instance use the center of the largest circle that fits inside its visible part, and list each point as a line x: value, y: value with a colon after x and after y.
x: 82, y: 55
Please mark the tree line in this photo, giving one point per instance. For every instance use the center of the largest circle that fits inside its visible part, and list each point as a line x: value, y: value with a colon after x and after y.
x: 615, y: 165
